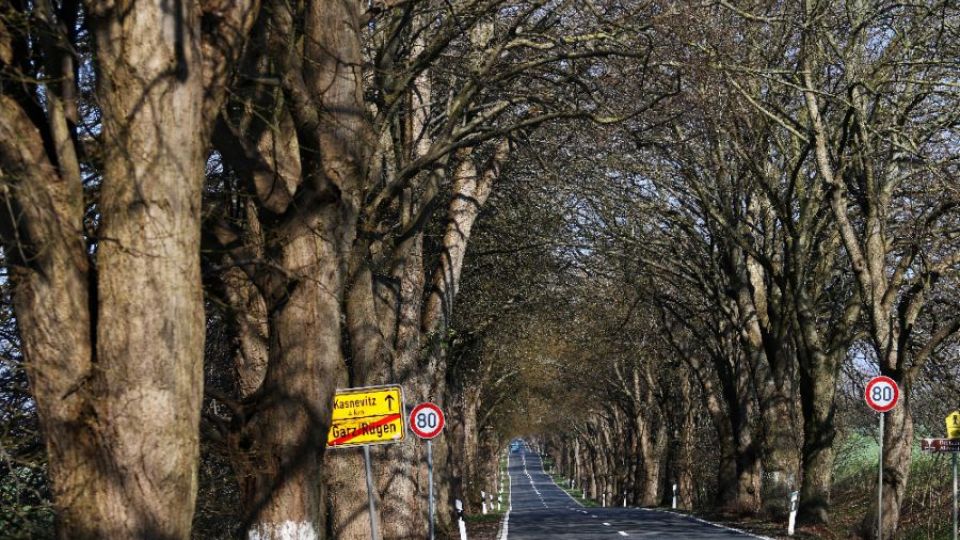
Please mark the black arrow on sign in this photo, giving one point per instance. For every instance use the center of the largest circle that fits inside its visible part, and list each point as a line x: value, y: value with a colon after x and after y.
x: 389, y: 399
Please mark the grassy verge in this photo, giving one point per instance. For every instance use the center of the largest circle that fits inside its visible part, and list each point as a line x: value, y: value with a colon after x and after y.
x: 577, y: 494
x: 487, y: 526
x: 492, y: 517
x: 925, y: 514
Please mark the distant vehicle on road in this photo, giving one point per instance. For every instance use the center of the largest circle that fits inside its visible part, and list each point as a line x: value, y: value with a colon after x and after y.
x: 515, y: 446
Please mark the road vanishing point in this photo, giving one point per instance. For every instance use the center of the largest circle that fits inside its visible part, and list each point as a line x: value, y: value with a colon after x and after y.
x: 539, y: 509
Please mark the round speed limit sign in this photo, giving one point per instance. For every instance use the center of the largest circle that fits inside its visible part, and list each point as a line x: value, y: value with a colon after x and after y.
x: 882, y: 393
x: 426, y: 420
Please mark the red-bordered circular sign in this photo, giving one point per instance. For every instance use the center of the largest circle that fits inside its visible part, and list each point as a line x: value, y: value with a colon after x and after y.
x: 882, y: 393
x: 426, y: 420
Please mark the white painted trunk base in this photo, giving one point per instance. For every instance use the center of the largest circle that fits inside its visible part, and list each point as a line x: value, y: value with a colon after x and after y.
x: 287, y: 530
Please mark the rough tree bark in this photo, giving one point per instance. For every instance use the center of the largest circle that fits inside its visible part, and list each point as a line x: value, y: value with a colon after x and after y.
x: 114, y: 342
x: 302, y: 275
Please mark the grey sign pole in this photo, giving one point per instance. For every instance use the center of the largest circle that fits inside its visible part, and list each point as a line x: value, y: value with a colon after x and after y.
x: 954, y: 496
x: 374, y: 534
x: 880, y: 490
x: 430, y: 482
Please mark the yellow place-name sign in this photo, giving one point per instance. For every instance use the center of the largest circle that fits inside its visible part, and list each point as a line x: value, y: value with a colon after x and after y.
x: 953, y: 425
x: 367, y: 415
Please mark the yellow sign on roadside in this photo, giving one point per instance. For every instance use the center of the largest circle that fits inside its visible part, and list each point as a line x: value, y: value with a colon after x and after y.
x: 953, y: 425
x: 367, y: 415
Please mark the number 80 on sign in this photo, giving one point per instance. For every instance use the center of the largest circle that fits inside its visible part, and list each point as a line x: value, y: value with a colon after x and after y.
x: 426, y: 420
x: 882, y: 393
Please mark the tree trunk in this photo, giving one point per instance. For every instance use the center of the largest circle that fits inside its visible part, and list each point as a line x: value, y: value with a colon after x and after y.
x: 781, y: 450
x: 291, y: 421
x: 578, y: 472
x: 345, y: 481
x: 818, y: 378
x: 727, y: 477
x: 470, y: 479
x: 310, y: 247
x: 122, y: 439
x: 150, y: 202
x: 402, y: 477
x: 741, y: 410
x: 454, y: 487
x: 651, y: 443
x: 632, y: 469
x: 684, y: 458
x: 445, y: 476
x: 472, y: 187
x: 897, y: 458
x: 51, y: 300
x: 763, y: 343
x: 748, y: 473
x: 344, y: 471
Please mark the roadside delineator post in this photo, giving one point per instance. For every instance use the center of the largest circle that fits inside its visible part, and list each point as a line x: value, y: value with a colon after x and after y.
x: 674, y: 496
x: 483, y: 501
x: 794, y: 505
x: 460, y: 523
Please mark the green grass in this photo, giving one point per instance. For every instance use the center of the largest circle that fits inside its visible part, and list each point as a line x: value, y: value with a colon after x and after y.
x: 925, y: 514
x: 504, y: 493
x: 577, y: 494
x: 492, y: 517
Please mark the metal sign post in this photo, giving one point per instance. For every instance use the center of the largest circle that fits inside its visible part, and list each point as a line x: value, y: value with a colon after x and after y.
x: 953, y: 434
x: 881, y: 394
x: 954, y: 496
x: 880, y: 487
x: 430, y: 481
x: 426, y: 422
x: 374, y: 533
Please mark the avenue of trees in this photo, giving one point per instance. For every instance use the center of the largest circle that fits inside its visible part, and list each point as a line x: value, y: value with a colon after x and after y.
x: 735, y: 265
x: 667, y: 238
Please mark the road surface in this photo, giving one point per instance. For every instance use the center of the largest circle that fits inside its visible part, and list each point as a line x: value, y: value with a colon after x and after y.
x: 541, y: 510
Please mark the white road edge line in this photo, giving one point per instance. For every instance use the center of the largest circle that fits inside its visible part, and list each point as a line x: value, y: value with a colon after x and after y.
x: 717, y: 525
x: 505, y: 526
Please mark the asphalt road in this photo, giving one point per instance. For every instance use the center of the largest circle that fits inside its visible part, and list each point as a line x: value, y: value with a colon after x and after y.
x: 541, y: 510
